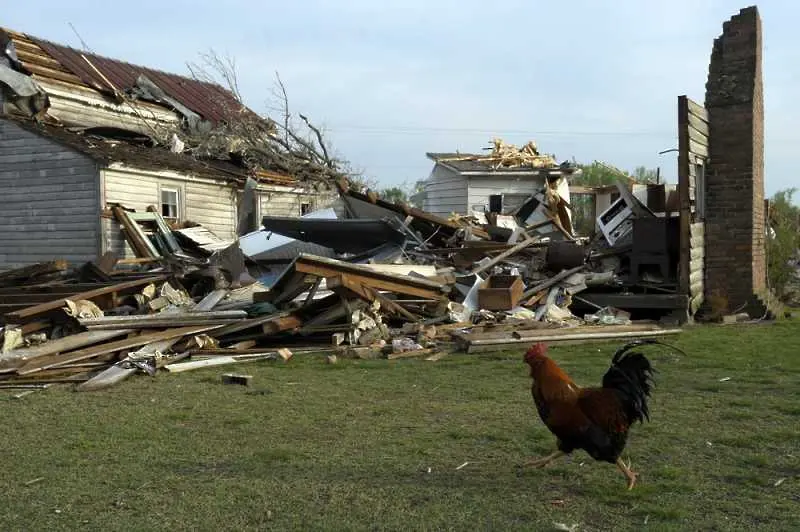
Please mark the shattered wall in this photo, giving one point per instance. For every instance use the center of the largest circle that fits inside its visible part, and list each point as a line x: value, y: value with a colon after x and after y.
x: 735, y: 237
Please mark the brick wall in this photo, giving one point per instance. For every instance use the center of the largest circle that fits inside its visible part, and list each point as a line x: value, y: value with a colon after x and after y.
x: 735, y: 238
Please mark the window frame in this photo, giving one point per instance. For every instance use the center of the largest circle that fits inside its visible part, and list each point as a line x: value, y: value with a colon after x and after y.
x: 178, y: 191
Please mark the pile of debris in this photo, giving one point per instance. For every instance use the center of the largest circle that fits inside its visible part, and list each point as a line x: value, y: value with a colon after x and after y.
x: 387, y: 280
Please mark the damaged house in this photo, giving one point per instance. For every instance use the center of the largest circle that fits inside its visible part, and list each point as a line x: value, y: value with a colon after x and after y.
x: 498, y: 182
x: 80, y: 134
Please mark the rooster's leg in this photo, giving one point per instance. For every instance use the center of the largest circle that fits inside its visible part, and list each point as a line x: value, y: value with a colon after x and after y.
x: 541, y: 462
x: 626, y: 470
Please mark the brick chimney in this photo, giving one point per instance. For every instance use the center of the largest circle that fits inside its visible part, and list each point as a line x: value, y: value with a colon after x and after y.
x: 735, y: 231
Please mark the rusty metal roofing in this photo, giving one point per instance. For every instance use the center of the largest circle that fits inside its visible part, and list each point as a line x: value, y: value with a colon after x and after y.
x: 51, y: 61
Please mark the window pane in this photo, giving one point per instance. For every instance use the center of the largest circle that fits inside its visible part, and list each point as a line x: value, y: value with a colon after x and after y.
x: 169, y: 203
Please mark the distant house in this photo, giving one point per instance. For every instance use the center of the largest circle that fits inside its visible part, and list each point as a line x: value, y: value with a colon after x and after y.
x: 76, y: 137
x: 461, y: 183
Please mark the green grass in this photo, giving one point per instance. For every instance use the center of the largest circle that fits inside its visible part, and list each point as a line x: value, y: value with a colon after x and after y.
x: 311, y: 446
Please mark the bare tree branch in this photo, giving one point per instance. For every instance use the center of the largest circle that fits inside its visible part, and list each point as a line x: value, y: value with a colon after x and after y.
x: 260, y: 142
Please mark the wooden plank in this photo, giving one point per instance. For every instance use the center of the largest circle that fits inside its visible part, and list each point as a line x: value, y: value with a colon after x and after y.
x: 53, y: 288
x: 133, y: 234
x: 220, y: 361
x: 166, y: 323
x: 696, y: 277
x: 507, y: 253
x: 55, y: 304
x: 169, y: 319
x: 684, y: 200
x: 401, y: 284
x: 698, y: 124
x: 697, y: 229
x: 502, y: 344
x: 697, y: 136
x: 347, y: 282
x: 34, y: 270
x: 111, y: 347
x: 118, y: 373
x: 697, y: 110
x: 697, y: 148
x: 68, y: 343
x: 243, y: 325
x: 544, y: 285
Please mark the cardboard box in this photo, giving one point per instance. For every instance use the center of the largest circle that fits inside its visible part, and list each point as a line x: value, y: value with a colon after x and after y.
x: 500, y: 292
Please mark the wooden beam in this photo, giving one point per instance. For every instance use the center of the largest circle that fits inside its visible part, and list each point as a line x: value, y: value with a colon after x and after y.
x: 68, y: 343
x: 507, y: 253
x: 502, y: 344
x: 55, y: 361
x: 401, y: 284
x: 132, y: 234
x: 697, y: 110
x: 42, y: 308
x: 34, y: 270
x: 544, y: 285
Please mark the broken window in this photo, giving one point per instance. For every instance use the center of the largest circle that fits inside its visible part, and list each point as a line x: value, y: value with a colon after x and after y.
x: 305, y: 208
x: 496, y: 203
x: 170, y: 203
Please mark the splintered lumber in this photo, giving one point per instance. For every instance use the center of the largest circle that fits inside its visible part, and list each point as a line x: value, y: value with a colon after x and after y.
x: 42, y: 308
x: 351, y: 284
x: 391, y: 282
x: 68, y: 343
x: 156, y: 321
x: 55, y: 361
x: 34, y: 270
x: 118, y: 373
x: 273, y: 323
x: 500, y: 344
x: 133, y: 234
x: 504, y: 255
x: 544, y: 285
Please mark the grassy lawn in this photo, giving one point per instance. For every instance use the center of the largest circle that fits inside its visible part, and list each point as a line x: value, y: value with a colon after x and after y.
x: 375, y: 445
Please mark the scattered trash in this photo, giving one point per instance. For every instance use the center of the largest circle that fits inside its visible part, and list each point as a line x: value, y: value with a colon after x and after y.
x: 779, y: 482
x: 724, y: 379
x: 462, y: 466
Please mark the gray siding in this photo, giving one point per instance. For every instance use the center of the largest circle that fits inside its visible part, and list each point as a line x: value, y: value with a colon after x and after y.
x: 50, y: 207
x: 445, y: 192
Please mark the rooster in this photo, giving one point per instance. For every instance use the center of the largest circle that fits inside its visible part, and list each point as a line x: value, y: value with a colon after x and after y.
x: 596, y: 420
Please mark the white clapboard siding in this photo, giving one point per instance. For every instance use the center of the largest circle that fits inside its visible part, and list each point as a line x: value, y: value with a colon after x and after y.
x: 445, y: 192
x: 213, y: 206
x: 50, y: 201
x: 480, y: 188
x: 287, y: 201
x: 209, y: 204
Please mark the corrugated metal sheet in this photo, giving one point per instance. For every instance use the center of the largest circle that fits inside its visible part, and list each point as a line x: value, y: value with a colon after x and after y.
x: 210, y: 101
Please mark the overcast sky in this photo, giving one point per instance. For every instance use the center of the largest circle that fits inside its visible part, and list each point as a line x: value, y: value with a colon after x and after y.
x: 391, y: 80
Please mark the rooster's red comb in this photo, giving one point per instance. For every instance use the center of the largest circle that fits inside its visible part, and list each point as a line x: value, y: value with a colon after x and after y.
x: 537, y: 349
